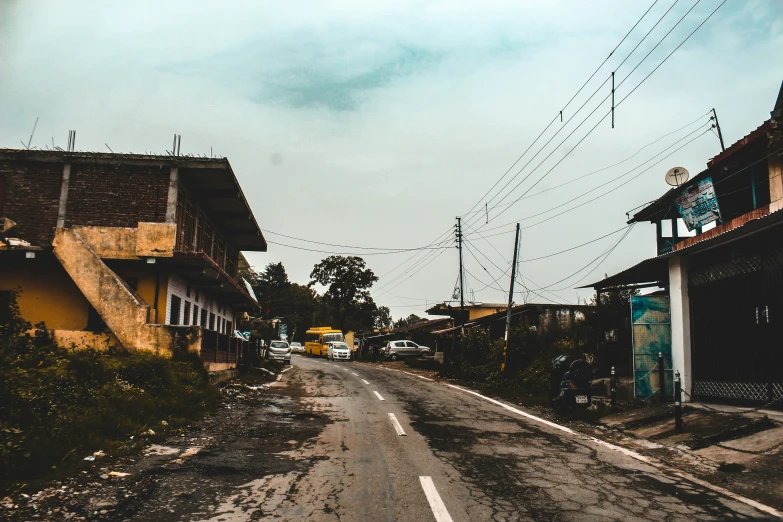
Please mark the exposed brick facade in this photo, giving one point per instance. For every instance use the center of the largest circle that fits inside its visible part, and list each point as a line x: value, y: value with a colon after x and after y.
x: 116, y: 195
x: 32, y: 198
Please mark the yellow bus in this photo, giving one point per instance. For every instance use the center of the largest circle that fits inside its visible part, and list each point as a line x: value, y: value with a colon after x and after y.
x: 317, y: 337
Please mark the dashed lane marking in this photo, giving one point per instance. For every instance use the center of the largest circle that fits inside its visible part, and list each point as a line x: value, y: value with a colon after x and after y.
x: 436, y: 504
x: 630, y: 453
x: 365, y: 382
x: 396, y: 425
x: 379, y: 396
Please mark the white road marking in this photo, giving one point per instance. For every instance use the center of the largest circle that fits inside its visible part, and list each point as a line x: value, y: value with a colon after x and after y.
x: 289, y: 368
x: 630, y: 453
x: 396, y: 425
x: 379, y: 396
x: 419, y: 376
x: 365, y: 382
x: 355, y: 374
x: 436, y: 504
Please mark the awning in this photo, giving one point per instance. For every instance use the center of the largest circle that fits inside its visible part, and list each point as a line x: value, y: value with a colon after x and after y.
x: 649, y: 271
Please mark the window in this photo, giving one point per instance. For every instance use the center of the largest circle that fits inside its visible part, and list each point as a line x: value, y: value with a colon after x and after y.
x: 211, y: 321
x: 224, y: 326
x: 195, y: 315
x: 174, y: 312
x: 186, y: 314
x: 187, y: 290
x: 203, y: 321
x: 197, y: 296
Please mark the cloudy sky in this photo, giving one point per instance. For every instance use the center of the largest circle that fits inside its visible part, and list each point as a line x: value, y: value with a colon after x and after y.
x: 375, y: 124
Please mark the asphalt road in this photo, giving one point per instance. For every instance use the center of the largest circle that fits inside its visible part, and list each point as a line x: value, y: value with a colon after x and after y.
x: 462, y: 458
x: 321, y: 444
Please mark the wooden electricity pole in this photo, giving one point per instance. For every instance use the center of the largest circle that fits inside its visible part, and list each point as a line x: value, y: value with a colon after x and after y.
x: 510, y: 298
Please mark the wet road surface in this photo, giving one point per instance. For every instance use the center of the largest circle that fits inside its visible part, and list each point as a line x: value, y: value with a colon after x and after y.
x: 356, y: 442
x: 485, y: 462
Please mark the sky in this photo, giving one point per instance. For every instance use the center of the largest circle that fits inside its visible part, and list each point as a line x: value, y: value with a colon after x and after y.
x: 375, y: 124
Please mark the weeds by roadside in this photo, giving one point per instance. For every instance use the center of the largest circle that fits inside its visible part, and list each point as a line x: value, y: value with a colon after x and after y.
x: 58, y: 405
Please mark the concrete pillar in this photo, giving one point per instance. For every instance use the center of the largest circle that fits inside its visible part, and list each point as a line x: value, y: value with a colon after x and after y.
x: 775, y: 181
x: 64, y: 195
x: 679, y: 303
x: 171, y: 201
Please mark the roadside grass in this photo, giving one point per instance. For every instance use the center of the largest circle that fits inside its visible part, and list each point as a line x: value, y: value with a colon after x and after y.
x: 58, y: 406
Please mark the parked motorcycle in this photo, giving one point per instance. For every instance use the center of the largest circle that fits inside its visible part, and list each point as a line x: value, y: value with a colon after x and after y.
x: 570, y: 382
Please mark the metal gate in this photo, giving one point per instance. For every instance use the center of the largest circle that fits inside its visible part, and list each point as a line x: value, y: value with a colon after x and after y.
x: 736, y: 320
x: 651, y: 335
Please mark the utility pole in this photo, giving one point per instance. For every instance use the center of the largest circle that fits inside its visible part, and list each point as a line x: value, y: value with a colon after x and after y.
x: 717, y: 126
x: 458, y: 233
x: 510, y: 298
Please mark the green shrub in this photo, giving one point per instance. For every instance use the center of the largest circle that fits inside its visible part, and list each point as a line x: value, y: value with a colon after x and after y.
x: 58, y: 405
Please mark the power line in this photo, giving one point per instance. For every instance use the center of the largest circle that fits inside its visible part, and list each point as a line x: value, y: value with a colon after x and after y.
x: 602, y: 185
x: 560, y: 114
x: 425, y: 247
x: 579, y: 178
x: 355, y: 253
x: 604, y: 255
x: 574, y: 247
x: 617, y: 105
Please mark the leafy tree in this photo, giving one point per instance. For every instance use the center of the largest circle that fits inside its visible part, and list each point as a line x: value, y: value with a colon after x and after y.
x: 348, y: 282
x: 407, y: 321
x: 383, y: 318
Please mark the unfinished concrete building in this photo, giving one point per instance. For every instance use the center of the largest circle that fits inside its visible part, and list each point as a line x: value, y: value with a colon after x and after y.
x: 133, y: 251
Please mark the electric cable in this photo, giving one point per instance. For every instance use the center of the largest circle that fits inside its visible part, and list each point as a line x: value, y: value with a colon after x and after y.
x: 616, y: 105
x: 566, y: 105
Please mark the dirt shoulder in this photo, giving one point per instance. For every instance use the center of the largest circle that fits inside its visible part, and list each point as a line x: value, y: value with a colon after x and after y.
x: 182, y: 476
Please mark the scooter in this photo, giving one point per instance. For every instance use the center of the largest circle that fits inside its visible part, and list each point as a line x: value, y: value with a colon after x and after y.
x: 569, y: 384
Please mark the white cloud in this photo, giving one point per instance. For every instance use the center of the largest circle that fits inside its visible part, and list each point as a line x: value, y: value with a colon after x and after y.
x: 375, y: 124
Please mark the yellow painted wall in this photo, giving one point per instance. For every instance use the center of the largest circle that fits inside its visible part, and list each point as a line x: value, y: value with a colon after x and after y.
x: 477, y: 313
x: 77, y: 339
x: 47, y: 293
x: 146, y: 275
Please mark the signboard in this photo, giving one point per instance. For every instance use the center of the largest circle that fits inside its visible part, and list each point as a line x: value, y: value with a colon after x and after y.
x: 651, y: 334
x: 698, y: 204
x: 283, y: 330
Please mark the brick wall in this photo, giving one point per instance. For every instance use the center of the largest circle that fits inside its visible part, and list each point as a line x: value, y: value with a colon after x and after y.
x: 32, y: 198
x: 116, y: 195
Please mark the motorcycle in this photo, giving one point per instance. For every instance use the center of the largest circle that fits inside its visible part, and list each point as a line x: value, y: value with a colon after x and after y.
x: 570, y: 382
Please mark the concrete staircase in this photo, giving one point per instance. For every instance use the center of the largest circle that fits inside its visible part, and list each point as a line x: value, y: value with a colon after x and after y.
x: 118, y: 305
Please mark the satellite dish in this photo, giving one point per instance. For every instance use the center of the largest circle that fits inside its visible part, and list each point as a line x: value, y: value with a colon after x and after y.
x: 677, y: 176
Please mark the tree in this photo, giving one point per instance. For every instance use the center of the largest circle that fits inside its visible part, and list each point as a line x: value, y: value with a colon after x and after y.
x: 348, y: 282
x: 271, y: 288
x: 407, y: 321
x: 383, y: 318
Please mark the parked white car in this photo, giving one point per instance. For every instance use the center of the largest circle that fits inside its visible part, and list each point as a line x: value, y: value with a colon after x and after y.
x: 338, y: 352
x: 279, y: 351
x: 397, y: 349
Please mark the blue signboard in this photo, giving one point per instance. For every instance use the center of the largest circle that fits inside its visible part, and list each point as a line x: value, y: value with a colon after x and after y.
x: 698, y: 204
